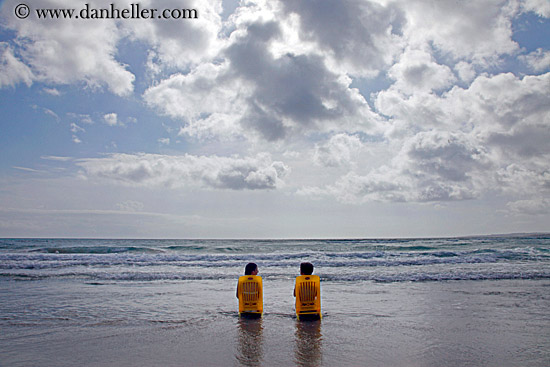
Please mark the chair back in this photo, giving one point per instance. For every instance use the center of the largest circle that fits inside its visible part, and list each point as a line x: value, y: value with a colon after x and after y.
x: 250, y: 294
x: 308, y: 295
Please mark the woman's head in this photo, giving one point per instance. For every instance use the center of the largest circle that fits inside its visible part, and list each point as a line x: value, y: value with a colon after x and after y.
x: 250, y: 268
x: 306, y: 268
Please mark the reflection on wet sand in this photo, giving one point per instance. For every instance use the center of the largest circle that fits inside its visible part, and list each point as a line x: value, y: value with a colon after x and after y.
x: 308, y: 349
x: 249, y: 350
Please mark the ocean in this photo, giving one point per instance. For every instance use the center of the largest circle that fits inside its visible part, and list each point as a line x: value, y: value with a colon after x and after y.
x: 465, y: 301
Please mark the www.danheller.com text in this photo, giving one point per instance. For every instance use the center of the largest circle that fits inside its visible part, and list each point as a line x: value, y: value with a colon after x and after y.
x: 134, y: 11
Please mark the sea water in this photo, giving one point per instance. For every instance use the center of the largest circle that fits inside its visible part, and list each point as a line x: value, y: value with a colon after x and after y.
x: 480, y: 301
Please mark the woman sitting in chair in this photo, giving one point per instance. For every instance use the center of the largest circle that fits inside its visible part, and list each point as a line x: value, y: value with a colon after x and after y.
x: 250, y: 292
x: 308, y: 294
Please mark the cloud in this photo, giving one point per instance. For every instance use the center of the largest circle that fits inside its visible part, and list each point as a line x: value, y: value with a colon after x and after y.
x: 292, y: 92
x: 76, y: 129
x: 377, y: 186
x: 64, y: 51
x: 27, y: 169
x: 176, y: 42
x: 417, y: 71
x: 443, y: 166
x: 111, y: 119
x: 257, y: 173
x: 206, y: 98
x: 52, y: 91
x: 507, y: 113
x: 445, y: 155
x: 538, y: 60
x: 431, y: 166
x: 49, y: 112
x: 391, y: 101
x: 490, y: 137
x: 338, y: 151
x: 540, y: 7
x: 276, y: 80
x: 12, y: 70
x: 476, y: 31
x: 82, y: 118
x: 89, y: 48
x: 465, y: 71
x: 530, y: 207
x: 525, y: 179
x: 490, y: 105
x: 360, y: 37
x: 56, y: 158
x: 254, y: 93
x: 130, y: 206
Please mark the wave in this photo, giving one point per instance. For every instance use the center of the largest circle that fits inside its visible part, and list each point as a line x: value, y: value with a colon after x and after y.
x: 34, y: 260
x: 374, y: 277
x: 385, y: 260
x: 198, y: 246
x: 444, y: 276
x: 95, y: 250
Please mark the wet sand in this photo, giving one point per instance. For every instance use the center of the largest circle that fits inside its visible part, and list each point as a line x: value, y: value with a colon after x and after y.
x: 482, y: 323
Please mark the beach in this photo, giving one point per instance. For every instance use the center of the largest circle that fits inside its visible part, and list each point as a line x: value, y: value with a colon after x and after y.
x: 150, y: 150
x: 107, y: 313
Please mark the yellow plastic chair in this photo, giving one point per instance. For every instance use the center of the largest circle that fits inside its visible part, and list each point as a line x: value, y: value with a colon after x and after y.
x: 250, y: 293
x: 308, y: 297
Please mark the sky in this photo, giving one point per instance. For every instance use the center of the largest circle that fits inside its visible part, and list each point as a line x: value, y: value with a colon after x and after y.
x: 275, y: 119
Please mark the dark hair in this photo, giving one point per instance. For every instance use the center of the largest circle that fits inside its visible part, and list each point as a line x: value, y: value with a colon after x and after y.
x: 306, y: 268
x: 249, y: 268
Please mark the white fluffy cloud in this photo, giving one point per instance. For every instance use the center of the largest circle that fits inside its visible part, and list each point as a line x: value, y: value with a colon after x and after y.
x: 258, y: 94
x: 360, y: 37
x: 64, y: 51
x: 205, y: 98
x: 541, y: 7
x: 151, y: 170
x: 338, y: 151
x: 492, y: 136
x: 111, y: 119
x: 67, y: 51
x: 452, y: 122
x: 12, y: 70
x: 538, y: 60
x: 474, y: 30
x: 175, y: 42
x: 431, y: 166
x: 417, y: 71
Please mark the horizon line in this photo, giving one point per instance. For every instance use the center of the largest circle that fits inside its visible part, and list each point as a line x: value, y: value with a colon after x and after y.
x: 513, y: 234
